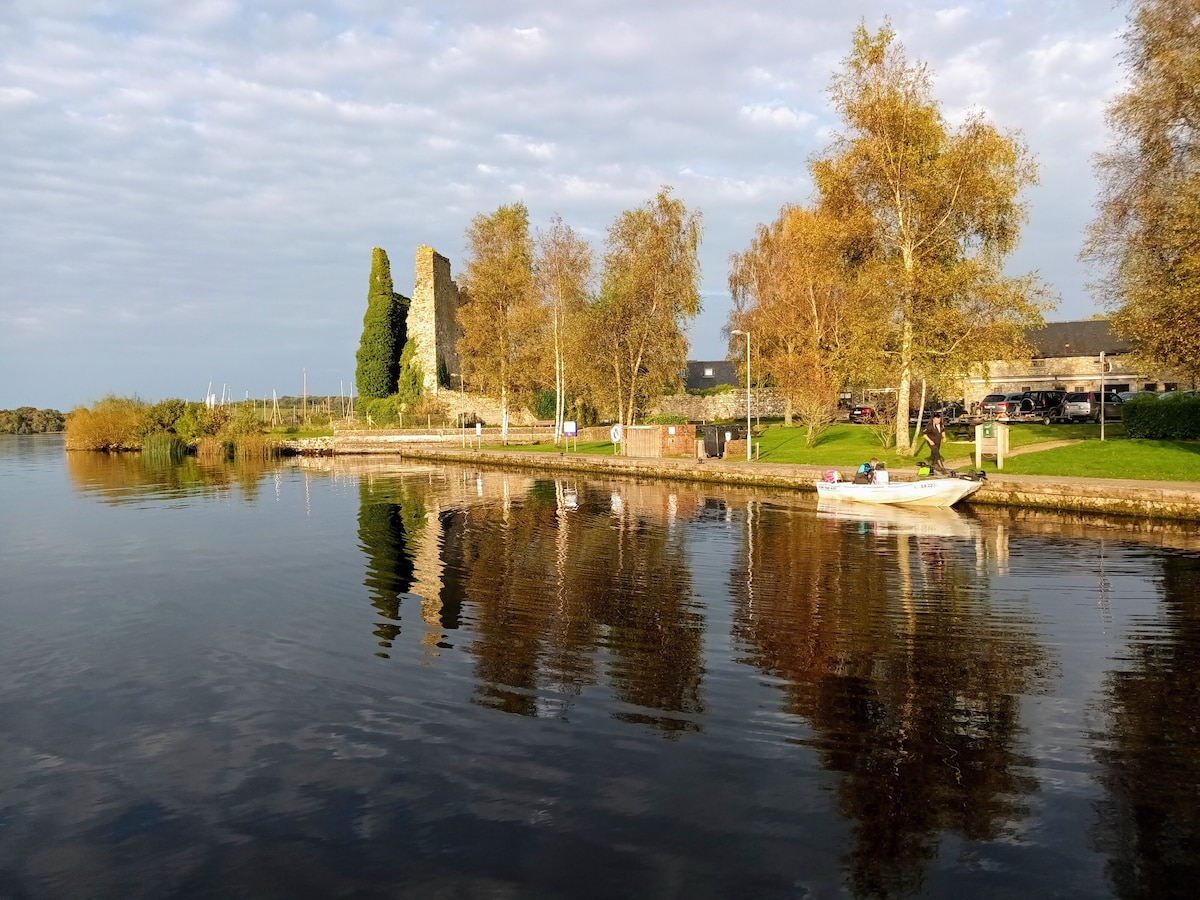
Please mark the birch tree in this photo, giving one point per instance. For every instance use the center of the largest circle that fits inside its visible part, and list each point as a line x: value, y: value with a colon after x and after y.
x: 562, y: 270
x: 944, y: 214
x: 794, y: 290
x: 649, y: 292
x: 499, y: 317
x: 1145, y: 239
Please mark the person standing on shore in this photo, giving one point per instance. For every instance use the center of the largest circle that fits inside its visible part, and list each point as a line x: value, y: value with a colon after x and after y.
x: 933, y: 437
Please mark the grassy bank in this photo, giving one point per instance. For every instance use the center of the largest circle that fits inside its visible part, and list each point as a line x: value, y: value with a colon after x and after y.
x: 845, y: 446
x: 1137, y: 459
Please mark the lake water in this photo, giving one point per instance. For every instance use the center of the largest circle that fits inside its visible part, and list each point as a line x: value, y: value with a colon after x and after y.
x: 371, y: 678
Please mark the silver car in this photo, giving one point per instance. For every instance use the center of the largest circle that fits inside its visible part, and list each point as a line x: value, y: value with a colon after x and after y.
x: 1084, y: 406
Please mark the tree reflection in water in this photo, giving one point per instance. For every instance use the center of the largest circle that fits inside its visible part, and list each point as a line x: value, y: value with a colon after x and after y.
x: 552, y: 582
x: 895, y: 660
x: 885, y: 641
x: 1149, y: 823
x: 391, y: 514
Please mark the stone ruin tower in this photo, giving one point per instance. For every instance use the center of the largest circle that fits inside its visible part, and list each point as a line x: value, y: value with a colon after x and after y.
x: 433, y: 318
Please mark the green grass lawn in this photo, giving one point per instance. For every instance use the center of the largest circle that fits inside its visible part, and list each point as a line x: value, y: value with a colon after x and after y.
x: 846, y: 446
x: 1121, y: 458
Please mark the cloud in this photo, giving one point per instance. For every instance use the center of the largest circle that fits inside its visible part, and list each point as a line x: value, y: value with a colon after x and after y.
x: 204, y: 175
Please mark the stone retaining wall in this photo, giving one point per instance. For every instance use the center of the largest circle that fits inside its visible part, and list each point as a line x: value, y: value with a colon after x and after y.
x: 721, y: 407
x: 1143, y: 500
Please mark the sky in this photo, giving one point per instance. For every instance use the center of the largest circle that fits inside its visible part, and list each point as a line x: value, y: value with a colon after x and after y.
x: 190, y: 190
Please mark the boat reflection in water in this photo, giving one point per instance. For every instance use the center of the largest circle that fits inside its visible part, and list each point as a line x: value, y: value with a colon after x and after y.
x: 919, y: 521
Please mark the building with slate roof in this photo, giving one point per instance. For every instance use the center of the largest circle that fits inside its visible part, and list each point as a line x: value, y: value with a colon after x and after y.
x: 1067, y: 357
x: 701, y: 374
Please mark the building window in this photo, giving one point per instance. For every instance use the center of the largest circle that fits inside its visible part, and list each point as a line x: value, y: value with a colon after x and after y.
x: 1152, y: 386
x: 1039, y: 363
x: 1169, y: 385
x: 708, y: 372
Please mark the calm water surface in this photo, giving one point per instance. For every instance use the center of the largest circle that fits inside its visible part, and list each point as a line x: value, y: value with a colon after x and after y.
x: 377, y: 679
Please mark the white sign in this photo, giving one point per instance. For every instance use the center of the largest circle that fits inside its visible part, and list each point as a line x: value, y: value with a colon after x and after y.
x: 670, y: 429
x: 615, y: 434
x: 570, y: 429
x: 478, y: 429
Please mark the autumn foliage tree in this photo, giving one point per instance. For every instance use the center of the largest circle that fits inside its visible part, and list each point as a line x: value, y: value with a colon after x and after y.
x: 500, y: 318
x: 794, y: 291
x: 942, y: 214
x: 649, y: 292
x: 1145, y: 239
x: 562, y: 270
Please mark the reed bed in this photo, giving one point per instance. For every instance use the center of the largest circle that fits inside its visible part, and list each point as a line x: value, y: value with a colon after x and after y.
x: 212, y: 449
x: 256, y: 446
x: 164, y: 447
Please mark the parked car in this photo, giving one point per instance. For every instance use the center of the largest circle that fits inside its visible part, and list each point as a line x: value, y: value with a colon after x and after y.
x: 862, y: 415
x: 1126, y: 396
x: 1047, y: 406
x: 947, y: 411
x: 1165, y: 395
x: 1085, y: 406
x: 987, y: 406
x: 1013, y: 406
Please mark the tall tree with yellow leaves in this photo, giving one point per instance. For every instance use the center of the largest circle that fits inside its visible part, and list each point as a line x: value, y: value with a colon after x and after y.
x: 562, y: 269
x: 1146, y: 236
x: 650, y: 290
x: 795, y: 291
x: 943, y: 214
x: 498, y: 313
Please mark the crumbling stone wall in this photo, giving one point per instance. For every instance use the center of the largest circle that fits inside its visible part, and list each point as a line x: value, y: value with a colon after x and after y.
x: 433, y: 317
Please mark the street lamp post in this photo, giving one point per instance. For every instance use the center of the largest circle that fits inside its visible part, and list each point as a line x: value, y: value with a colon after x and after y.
x: 747, y: 334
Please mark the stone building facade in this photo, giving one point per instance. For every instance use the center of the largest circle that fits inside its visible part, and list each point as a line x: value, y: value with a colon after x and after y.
x: 433, y: 317
x: 1067, y: 357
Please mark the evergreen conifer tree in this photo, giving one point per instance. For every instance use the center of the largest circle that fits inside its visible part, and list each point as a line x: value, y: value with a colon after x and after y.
x: 384, y: 332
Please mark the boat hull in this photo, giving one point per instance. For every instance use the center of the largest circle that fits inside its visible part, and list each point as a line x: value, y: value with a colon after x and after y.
x: 939, y: 492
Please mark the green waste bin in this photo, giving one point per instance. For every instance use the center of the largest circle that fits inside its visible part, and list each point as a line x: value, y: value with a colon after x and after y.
x: 989, y: 430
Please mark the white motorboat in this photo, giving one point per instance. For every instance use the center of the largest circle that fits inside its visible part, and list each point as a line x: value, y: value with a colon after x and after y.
x: 926, y: 492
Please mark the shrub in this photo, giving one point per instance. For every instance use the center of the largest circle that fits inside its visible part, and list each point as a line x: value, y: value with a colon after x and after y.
x: 666, y: 420
x: 380, y: 412
x: 1166, y: 419
x: 161, y: 417
x: 200, y: 421
x: 544, y: 405
x: 427, y: 409
x: 111, y: 424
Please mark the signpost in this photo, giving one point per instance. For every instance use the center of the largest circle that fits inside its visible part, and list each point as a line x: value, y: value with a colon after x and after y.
x: 570, y: 430
x: 991, y: 439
